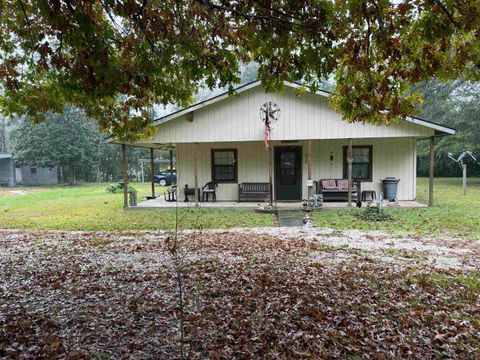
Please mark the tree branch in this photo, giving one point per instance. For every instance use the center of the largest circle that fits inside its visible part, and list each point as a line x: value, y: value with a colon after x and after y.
x: 247, y: 16
x: 447, y: 13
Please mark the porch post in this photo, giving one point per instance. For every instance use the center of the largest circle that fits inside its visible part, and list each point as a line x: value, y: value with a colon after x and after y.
x: 195, y: 169
x: 349, y: 170
x: 432, y: 171
x: 171, y: 166
x: 270, y: 176
x: 309, y: 169
x: 125, y: 176
x: 152, y: 172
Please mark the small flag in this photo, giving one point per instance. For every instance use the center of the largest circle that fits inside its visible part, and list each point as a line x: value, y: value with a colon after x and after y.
x: 266, y: 132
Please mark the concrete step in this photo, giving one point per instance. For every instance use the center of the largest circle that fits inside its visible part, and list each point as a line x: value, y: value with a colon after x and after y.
x: 290, y: 218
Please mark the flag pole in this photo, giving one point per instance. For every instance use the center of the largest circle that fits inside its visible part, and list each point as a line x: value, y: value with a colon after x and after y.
x: 267, y: 138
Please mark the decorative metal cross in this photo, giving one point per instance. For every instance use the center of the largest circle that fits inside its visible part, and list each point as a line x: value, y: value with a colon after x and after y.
x: 269, y: 114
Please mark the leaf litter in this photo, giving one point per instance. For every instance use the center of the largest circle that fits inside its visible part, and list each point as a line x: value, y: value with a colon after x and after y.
x: 277, y: 293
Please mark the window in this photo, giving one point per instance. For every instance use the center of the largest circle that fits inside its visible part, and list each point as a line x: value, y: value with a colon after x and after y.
x: 224, y: 165
x: 362, y: 162
x: 33, y: 171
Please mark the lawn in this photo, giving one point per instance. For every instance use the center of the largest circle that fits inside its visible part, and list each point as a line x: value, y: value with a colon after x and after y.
x: 453, y: 214
x: 90, y: 207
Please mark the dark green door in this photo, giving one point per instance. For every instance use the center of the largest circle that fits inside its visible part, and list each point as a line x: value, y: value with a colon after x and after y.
x: 288, y: 173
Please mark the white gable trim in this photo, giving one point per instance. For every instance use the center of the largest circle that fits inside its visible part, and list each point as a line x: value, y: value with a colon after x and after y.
x: 431, y: 125
x: 205, y: 103
x: 254, y: 84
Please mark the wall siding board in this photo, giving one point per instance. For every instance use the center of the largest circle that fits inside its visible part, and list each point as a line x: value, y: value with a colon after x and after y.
x: 391, y: 157
x: 307, y: 116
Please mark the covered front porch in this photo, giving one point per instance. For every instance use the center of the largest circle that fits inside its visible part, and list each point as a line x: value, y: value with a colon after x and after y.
x: 314, y: 160
x: 161, y: 203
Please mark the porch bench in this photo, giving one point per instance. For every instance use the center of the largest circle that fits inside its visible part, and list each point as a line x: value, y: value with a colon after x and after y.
x: 253, y: 192
x: 337, y: 189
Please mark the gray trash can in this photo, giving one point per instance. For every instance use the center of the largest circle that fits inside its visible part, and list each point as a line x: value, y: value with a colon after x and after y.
x: 390, y: 185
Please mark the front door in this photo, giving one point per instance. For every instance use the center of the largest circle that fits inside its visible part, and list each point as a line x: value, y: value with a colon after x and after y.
x: 288, y: 173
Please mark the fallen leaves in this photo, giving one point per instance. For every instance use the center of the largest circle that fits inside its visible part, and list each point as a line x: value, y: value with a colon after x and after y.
x: 113, y: 295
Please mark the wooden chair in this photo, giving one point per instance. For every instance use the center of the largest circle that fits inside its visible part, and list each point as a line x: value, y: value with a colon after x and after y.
x: 210, y: 188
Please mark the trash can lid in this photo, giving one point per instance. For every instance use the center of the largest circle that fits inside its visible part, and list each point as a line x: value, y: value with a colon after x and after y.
x: 389, y: 179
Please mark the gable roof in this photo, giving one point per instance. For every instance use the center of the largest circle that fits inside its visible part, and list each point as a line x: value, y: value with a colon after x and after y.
x: 442, y: 129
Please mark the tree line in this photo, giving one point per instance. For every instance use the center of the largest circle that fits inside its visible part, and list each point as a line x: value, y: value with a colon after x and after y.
x: 455, y: 104
x: 72, y: 142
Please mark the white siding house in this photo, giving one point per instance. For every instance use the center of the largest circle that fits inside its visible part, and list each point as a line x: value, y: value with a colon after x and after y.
x: 233, y: 123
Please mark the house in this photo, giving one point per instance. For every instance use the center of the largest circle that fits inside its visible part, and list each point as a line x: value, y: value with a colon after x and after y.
x: 36, y: 175
x: 222, y: 139
x: 7, y: 173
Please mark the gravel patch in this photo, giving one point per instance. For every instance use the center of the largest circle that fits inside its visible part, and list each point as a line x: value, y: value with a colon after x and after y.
x: 442, y: 252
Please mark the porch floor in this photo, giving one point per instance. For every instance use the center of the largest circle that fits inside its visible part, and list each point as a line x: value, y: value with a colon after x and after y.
x: 160, y: 203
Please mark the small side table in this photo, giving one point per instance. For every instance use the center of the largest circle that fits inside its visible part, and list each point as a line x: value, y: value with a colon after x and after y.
x: 371, y: 194
x: 171, y: 194
x: 190, y: 192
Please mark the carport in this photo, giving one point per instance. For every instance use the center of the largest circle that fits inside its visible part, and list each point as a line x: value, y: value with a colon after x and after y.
x: 7, y: 170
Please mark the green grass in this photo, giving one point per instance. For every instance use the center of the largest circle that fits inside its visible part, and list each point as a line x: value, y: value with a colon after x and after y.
x: 90, y: 207
x: 469, y: 280
x: 453, y: 214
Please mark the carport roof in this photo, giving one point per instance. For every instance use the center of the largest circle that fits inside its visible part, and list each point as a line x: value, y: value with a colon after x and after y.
x: 5, y: 156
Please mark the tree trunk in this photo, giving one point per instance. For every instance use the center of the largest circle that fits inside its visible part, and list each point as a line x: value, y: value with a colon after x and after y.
x: 73, y: 179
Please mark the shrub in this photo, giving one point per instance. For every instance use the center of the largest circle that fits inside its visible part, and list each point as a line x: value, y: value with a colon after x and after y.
x: 118, y: 188
x: 374, y: 213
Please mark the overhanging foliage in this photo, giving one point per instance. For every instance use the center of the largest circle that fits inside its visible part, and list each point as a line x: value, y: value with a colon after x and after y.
x: 116, y: 59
